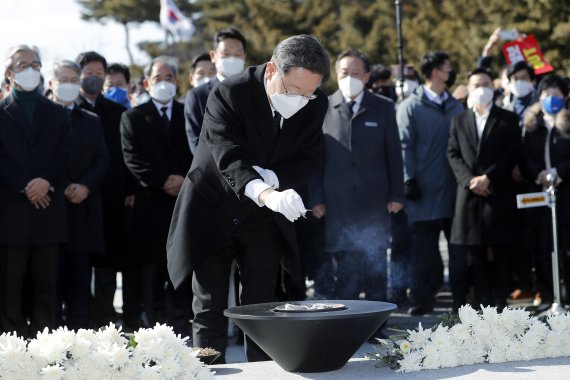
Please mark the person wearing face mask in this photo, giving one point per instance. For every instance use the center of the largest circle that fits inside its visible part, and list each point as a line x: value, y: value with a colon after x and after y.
x: 423, y: 121
x: 483, y: 149
x: 362, y: 147
x: 228, y: 57
x: 35, y: 149
x: 262, y: 138
x: 85, y: 173
x: 117, y: 195
x: 201, y: 71
x: 380, y: 82
x: 522, y: 92
x: 157, y: 154
x: 116, y: 85
x: 546, y: 150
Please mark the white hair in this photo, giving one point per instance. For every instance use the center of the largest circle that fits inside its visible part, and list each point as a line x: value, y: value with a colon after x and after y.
x: 16, y: 49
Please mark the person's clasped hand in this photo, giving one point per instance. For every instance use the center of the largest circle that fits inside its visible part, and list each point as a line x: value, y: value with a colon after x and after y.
x: 287, y: 202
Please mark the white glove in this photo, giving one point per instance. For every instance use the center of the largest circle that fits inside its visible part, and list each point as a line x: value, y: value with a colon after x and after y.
x: 269, y: 176
x: 287, y: 202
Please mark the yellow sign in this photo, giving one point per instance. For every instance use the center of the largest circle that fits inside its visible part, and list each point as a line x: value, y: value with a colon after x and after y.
x: 532, y: 200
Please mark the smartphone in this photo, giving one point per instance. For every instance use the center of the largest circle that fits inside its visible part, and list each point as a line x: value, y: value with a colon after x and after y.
x: 508, y: 34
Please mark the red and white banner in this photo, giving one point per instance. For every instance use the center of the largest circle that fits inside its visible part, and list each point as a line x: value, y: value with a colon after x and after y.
x: 527, y: 49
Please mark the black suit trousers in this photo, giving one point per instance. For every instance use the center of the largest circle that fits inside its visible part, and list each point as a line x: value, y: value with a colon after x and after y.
x: 256, y: 246
x: 39, y: 264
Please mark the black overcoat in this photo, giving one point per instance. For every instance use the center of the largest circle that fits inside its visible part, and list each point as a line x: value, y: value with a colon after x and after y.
x: 88, y: 166
x: 117, y: 184
x: 27, y: 152
x: 152, y: 152
x: 484, y: 220
x: 238, y: 133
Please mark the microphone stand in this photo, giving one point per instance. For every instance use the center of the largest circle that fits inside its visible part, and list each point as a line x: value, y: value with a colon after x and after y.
x: 556, y: 308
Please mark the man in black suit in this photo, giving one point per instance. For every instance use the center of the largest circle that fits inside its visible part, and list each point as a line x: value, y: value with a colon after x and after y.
x: 116, y: 190
x: 34, y: 153
x: 483, y: 149
x: 262, y: 132
x: 85, y: 172
x: 229, y: 58
x: 156, y: 153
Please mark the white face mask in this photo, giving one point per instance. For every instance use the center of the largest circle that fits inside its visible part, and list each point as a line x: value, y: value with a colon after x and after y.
x: 287, y: 105
x: 521, y: 88
x: 203, y: 80
x: 480, y: 96
x: 28, y: 79
x: 163, y: 91
x: 350, y: 86
x: 66, y: 92
x: 229, y: 66
x: 408, y: 88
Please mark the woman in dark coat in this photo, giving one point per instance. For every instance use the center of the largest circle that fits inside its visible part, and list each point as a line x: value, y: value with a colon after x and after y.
x: 88, y: 165
x: 547, y: 120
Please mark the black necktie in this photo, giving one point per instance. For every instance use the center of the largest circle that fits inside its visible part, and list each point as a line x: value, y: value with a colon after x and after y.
x: 164, y: 116
x: 350, y: 108
x: 276, y: 123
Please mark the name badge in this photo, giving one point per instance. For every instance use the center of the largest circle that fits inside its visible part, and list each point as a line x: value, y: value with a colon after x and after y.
x: 371, y: 124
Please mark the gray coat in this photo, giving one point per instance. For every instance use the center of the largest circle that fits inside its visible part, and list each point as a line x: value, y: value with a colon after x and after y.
x: 424, y: 133
x: 362, y: 173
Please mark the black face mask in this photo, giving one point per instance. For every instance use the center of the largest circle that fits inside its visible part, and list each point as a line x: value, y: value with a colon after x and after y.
x: 92, y: 85
x: 451, y: 78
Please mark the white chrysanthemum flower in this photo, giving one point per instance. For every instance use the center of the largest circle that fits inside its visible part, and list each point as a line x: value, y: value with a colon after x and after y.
x: 53, y: 372
x: 460, y: 332
x: 404, y: 345
x: 468, y: 315
x: 560, y: 322
x: 432, y: 362
x: 170, y: 368
x: 490, y: 315
x: 441, y: 335
x: 149, y: 373
x: 411, y: 362
x: 419, y: 337
x: 515, y: 321
x: 204, y: 373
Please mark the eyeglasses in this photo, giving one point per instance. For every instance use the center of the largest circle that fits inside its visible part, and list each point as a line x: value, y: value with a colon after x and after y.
x: 21, y: 66
x: 292, y: 94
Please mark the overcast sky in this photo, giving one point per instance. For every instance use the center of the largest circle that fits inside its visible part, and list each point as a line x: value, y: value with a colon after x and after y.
x: 55, y: 26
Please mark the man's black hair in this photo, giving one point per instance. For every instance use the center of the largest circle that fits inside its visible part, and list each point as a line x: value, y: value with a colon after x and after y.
x: 120, y: 69
x: 350, y: 52
x: 90, y: 56
x: 520, y: 65
x: 432, y: 60
x: 481, y: 70
x: 200, y: 58
x: 553, y: 81
x: 229, y: 33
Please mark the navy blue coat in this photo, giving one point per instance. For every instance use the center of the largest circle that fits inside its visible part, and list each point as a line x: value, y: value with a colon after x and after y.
x: 194, y: 108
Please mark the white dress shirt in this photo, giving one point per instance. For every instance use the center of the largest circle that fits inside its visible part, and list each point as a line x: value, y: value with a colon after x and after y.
x: 168, y: 108
x: 435, y: 98
x: 481, y: 118
x: 357, y: 101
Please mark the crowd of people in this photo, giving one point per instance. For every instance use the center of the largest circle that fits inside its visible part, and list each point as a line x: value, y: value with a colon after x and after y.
x: 259, y: 181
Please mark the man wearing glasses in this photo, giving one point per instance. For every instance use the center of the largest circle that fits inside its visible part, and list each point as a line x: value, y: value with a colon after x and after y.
x: 261, y: 138
x: 34, y: 153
